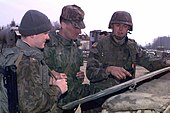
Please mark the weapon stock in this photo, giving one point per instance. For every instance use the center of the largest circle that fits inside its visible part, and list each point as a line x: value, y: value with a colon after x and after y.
x: 116, y: 88
x: 10, y: 83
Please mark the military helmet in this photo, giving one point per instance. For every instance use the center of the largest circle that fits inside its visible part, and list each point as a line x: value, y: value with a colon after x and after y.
x: 122, y: 17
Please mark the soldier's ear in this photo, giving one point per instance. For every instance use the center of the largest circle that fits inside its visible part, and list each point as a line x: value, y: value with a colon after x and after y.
x: 63, y: 25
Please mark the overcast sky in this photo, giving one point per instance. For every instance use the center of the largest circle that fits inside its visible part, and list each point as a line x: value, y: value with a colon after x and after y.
x: 151, y: 18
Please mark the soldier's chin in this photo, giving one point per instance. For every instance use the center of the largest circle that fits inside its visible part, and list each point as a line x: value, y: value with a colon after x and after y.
x: 120, y: 35
x: 41, y: 47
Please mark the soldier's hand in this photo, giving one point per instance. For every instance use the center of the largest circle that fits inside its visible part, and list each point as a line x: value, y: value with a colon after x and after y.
x: 59, y: 75
x: 60, y: 80
x: 80, y: 75
x: 118, y: 72
x: 61, y: 83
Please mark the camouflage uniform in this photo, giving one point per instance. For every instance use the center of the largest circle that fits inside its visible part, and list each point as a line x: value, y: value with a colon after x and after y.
x: 64, y: 56
x: 40, y: 93
x: 34, y: 92
x: 109, y: 52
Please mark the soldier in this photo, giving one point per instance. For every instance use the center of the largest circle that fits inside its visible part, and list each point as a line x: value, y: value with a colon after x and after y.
x: 114, y: 59
x: 63, y: 54
x: 38, y: 88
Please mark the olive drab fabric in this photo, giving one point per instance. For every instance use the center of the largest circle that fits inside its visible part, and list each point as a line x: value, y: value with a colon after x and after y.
x: 34, y: 92
x: 64, y: 56
x: 3, y: 97
x: 8, y: 56
x: 109, y: 53
x: 41, y: 96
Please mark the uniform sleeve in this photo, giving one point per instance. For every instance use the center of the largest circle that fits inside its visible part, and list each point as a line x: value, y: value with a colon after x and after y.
x: 150, y: 63
x: 95, y: 69
x: 35, y: 95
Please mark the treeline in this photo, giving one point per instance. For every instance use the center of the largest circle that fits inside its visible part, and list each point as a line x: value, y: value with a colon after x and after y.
x: 160, y: 43
x: 13, y: 23
x: 56, y: 25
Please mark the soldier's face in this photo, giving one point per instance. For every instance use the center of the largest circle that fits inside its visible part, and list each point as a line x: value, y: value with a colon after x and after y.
x: 39, y: 40
x: 69, y: 31
x: 120, y: 30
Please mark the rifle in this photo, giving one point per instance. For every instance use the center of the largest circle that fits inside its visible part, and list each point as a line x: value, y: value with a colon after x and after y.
x: 131, y: 84
x: 10, y: 83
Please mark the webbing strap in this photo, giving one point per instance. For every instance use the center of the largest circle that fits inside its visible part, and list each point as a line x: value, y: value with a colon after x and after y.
x: 19, y: 59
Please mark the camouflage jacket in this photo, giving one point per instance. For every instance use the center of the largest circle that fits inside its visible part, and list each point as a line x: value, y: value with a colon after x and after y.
x: 64, y: 56
x: 34, y: 92
x: 109, y: 53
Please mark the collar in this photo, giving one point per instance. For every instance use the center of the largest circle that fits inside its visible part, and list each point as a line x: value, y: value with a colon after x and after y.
x: 30, y: 51
x: 57, y: 38
x: 117, y: 42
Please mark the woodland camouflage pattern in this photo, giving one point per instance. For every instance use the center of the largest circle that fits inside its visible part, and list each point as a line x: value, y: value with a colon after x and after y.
x: 127, y: 56
x: 64, y: 56
x: 122, y: 17
x: 74, y: 14
x: 35, y: 94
